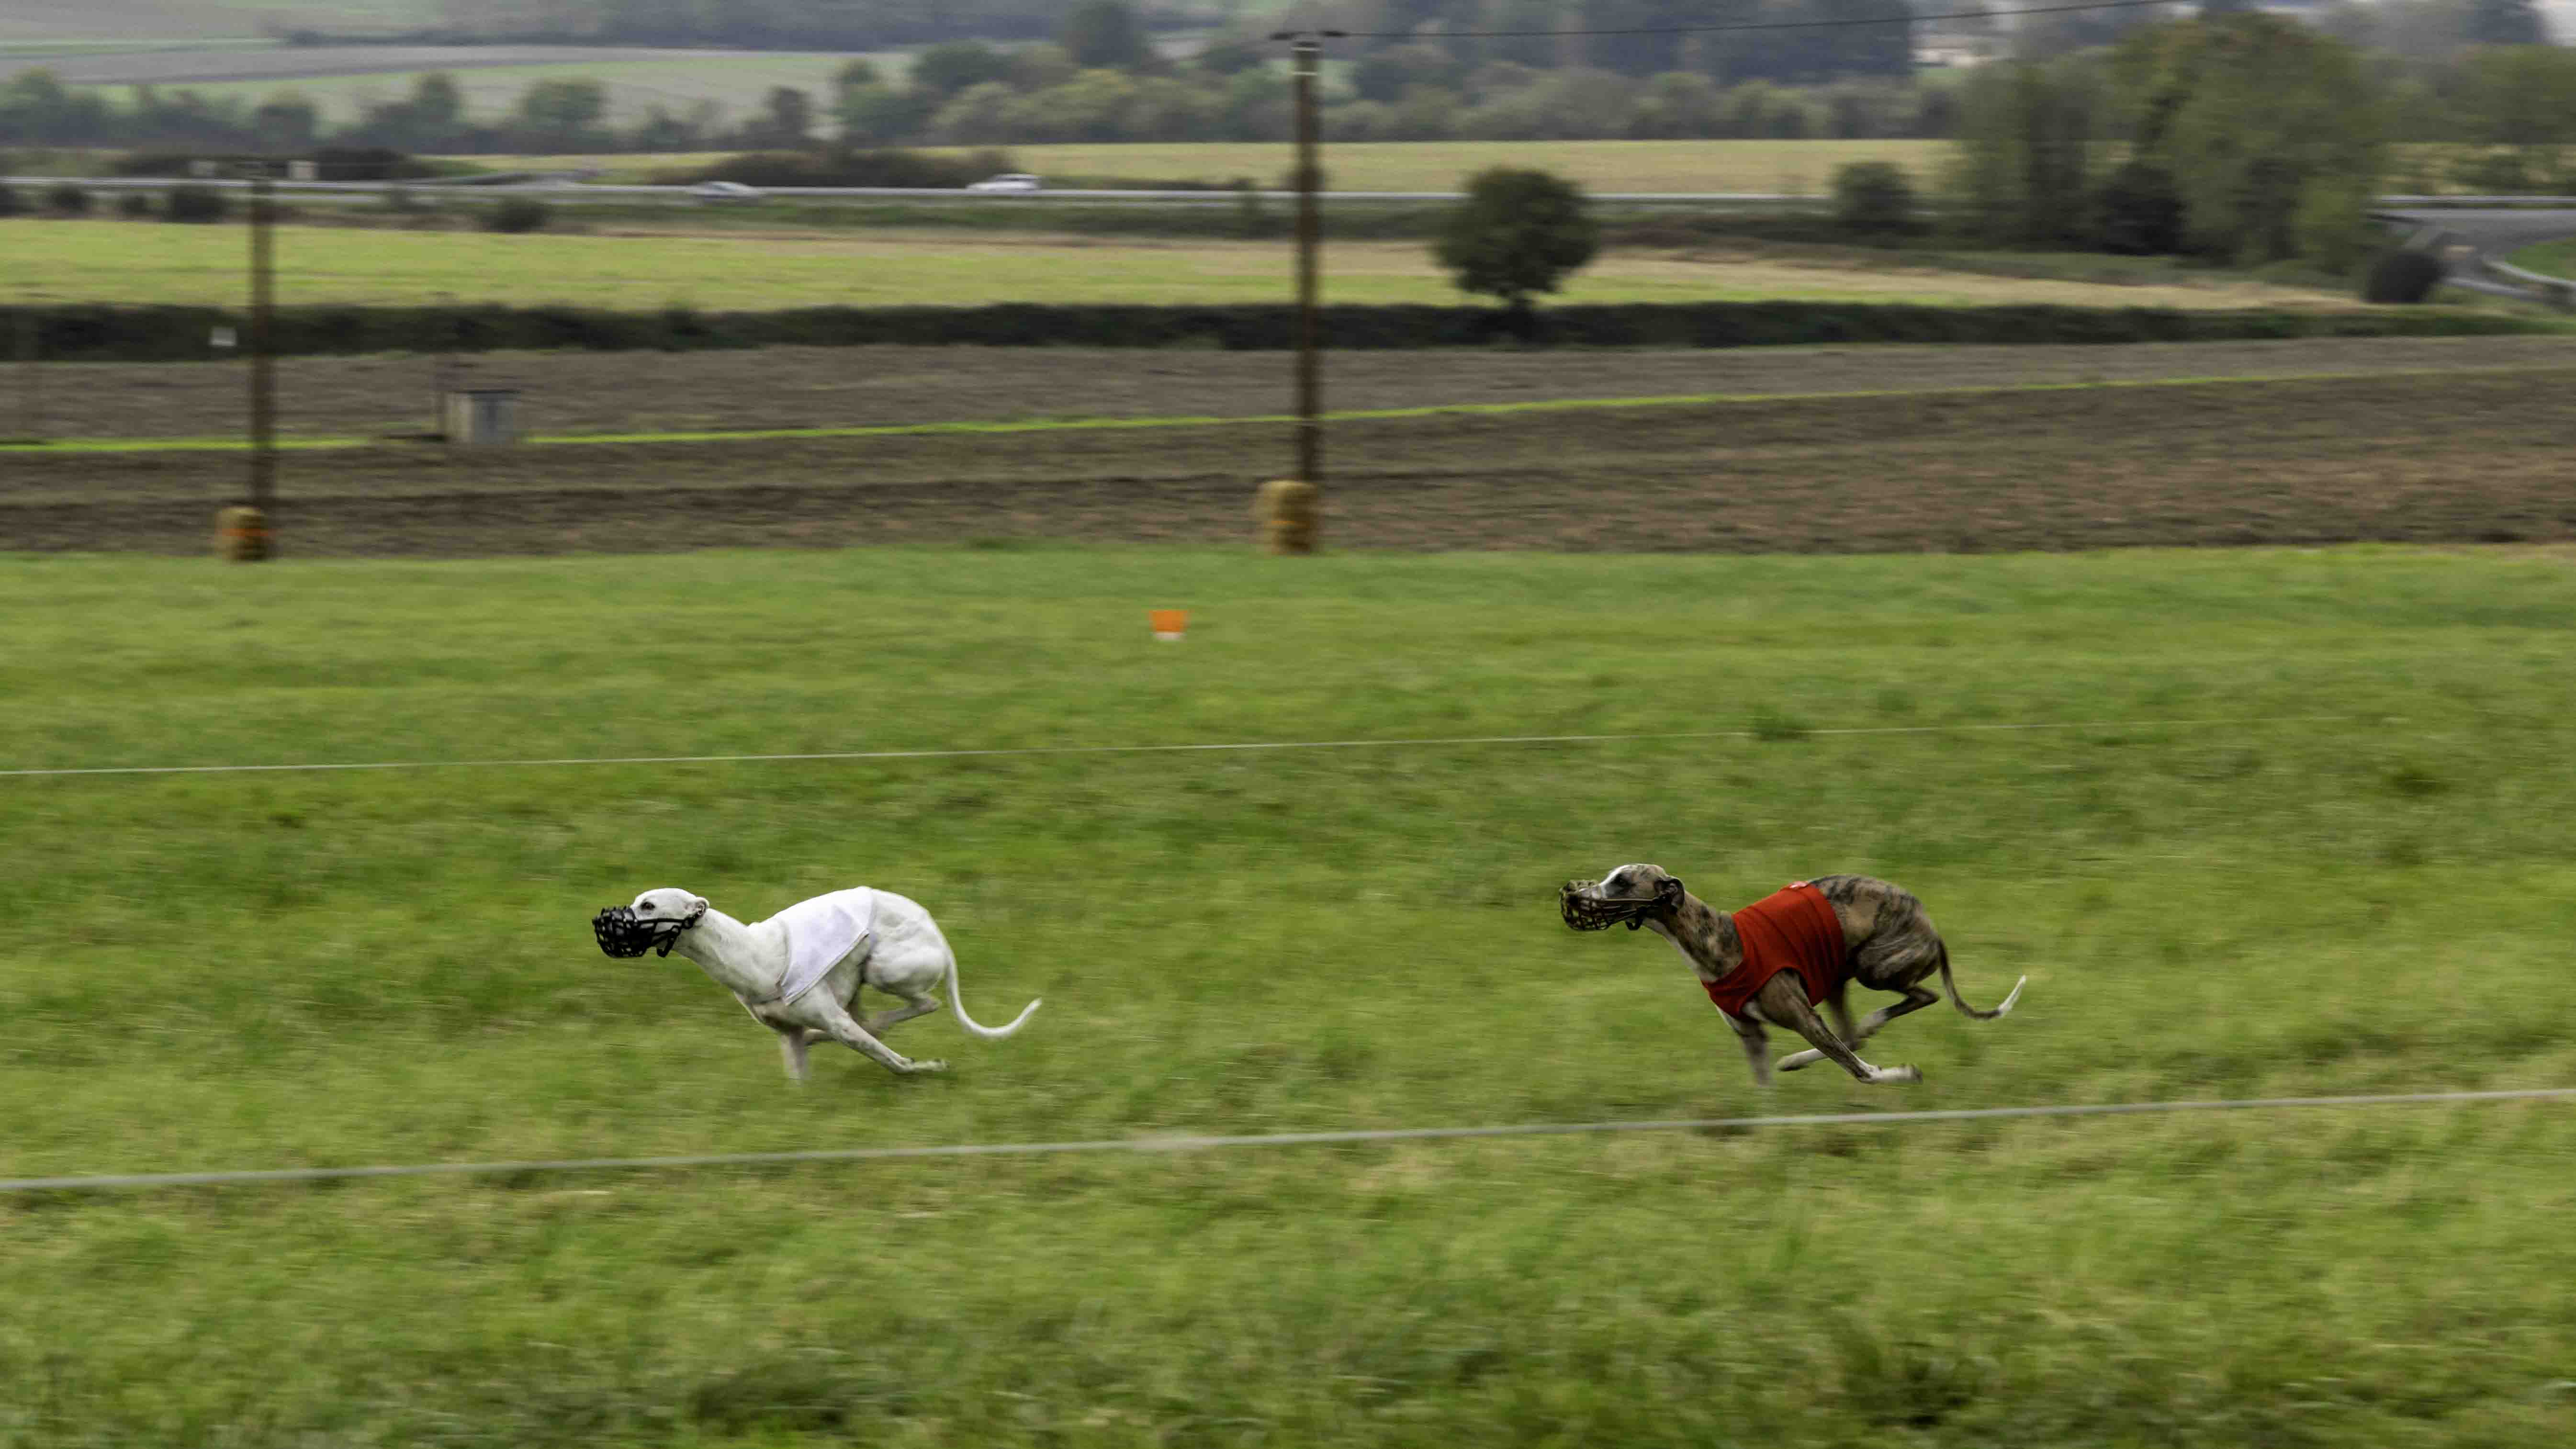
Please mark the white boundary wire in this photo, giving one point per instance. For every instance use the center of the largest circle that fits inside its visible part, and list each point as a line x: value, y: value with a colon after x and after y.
x: 1139, y: 749
x: 1276, y: 1139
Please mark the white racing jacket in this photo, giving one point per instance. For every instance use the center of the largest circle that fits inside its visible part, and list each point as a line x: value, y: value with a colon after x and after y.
x: 820, y: 932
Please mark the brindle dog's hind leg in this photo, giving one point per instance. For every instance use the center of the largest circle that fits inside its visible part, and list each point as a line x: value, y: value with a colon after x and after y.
x: 1897, y: 961
x: 1783, y: 1002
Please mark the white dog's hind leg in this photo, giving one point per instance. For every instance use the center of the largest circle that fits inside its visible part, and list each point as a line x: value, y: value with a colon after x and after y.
x: 849, y: 1033
x: 791, y: 1045
x: 917, y: 1004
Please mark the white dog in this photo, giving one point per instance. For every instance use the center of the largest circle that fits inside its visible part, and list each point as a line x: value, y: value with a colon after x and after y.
x: 799, y: 972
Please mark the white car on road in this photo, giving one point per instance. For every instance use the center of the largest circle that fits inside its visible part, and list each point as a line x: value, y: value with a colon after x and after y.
x: 1008, y: 181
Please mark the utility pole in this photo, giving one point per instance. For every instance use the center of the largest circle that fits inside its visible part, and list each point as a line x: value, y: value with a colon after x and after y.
x: 245, y: 532
x: 1310, y: 244
x: 263, y: 361
x: 1289, y: 507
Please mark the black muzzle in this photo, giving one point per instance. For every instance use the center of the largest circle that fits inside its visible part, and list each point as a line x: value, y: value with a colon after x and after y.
x: 624, y: 934
x: 1598, y: 913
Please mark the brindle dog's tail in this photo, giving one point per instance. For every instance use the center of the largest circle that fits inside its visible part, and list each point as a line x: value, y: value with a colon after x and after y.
x: 1961, y: 1002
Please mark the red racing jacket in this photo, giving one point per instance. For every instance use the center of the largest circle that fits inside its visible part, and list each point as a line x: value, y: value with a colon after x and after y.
x: 1792, y: 929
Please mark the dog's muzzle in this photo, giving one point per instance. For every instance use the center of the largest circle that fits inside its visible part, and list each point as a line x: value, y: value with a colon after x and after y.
x: 623, y: 934
x: 1599, y: 913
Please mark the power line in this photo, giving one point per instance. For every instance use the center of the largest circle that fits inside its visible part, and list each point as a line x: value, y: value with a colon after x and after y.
x: 1277, y: 1139
x: 1902, y: 19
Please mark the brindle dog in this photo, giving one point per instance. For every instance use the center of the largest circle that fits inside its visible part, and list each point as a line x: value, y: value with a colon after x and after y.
x: 1890, y: 939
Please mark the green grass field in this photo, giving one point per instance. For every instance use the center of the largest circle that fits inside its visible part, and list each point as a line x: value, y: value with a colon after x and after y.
x: 1804, y: 167
x: 1761, y: 166
x: 2551, y: 259
x: 116, y: 261
x: 272, y: 969
x: 33, y: 21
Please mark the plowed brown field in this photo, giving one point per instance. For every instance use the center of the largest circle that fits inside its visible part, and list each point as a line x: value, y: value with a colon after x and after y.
x: 2430, y: 441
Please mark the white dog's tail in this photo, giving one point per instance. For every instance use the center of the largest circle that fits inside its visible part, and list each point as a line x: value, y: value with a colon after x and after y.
x: 957, y: 1000
x: 1952, y: 987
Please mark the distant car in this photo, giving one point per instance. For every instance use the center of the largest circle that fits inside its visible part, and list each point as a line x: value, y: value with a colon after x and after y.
x: 1008, y: 181
x: 724, y: 191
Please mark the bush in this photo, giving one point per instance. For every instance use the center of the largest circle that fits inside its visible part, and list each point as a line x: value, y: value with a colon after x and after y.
x: 195, y: 204
x: 134, y: 204
x: 65, y: 199
x: 517, y: 213
x: 2404, y: 276
x: 11, y: 203
x: 1874, y: 198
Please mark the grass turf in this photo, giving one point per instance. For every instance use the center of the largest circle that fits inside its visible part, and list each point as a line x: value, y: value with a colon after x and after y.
x: 273, y: 969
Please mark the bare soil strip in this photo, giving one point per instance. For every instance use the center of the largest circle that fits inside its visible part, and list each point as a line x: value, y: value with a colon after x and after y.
x: 795, y: 387
x: 2469, y: 458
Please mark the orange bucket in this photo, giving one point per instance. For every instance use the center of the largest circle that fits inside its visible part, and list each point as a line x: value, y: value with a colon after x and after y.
x: 1169, y: 624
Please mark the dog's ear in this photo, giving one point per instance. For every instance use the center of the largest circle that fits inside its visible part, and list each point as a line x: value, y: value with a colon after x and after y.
x: 1670, y: 892
x: 697, y: 903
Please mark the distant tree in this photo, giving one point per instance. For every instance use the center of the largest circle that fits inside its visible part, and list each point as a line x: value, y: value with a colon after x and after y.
x: 1104, y: 33
x: 857, y: 71
x: 1637, y: 37
x: 1828, y: 42
x: 2503, y: 22
x: 285, y: 122
x: 944, y: 70
x: 2024, y: 157
x: 11, y: 203
x: 1385, y: 75
x: 1873, y: 199
x: 979, y: 115
x: 786, y: 121
x: 2138, y: 211
x: 876, y: 115
x: 1518, y: 234
x: 1230, y: 57
x: 438, y: 102
x: 67, y: 199
x: 662, y: 131
x: 1676, y: 104
x: 1035, y: 67
x: 2269, y: 129
x: 562, y: 113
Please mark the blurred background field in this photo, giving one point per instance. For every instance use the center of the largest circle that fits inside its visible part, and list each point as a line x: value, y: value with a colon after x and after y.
x: 2355, y: 887
x: 112, y: 261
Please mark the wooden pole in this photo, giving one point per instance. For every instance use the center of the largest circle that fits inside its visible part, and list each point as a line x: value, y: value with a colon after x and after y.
x: 263, y: 362
x: 1310, y: 245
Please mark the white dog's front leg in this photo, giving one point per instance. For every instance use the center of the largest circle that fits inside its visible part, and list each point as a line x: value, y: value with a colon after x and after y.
x: 791, y: 1045
x: 849, y: 1033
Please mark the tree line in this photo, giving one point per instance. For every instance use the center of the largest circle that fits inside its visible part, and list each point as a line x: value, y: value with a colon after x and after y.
x: 2430, y: 70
